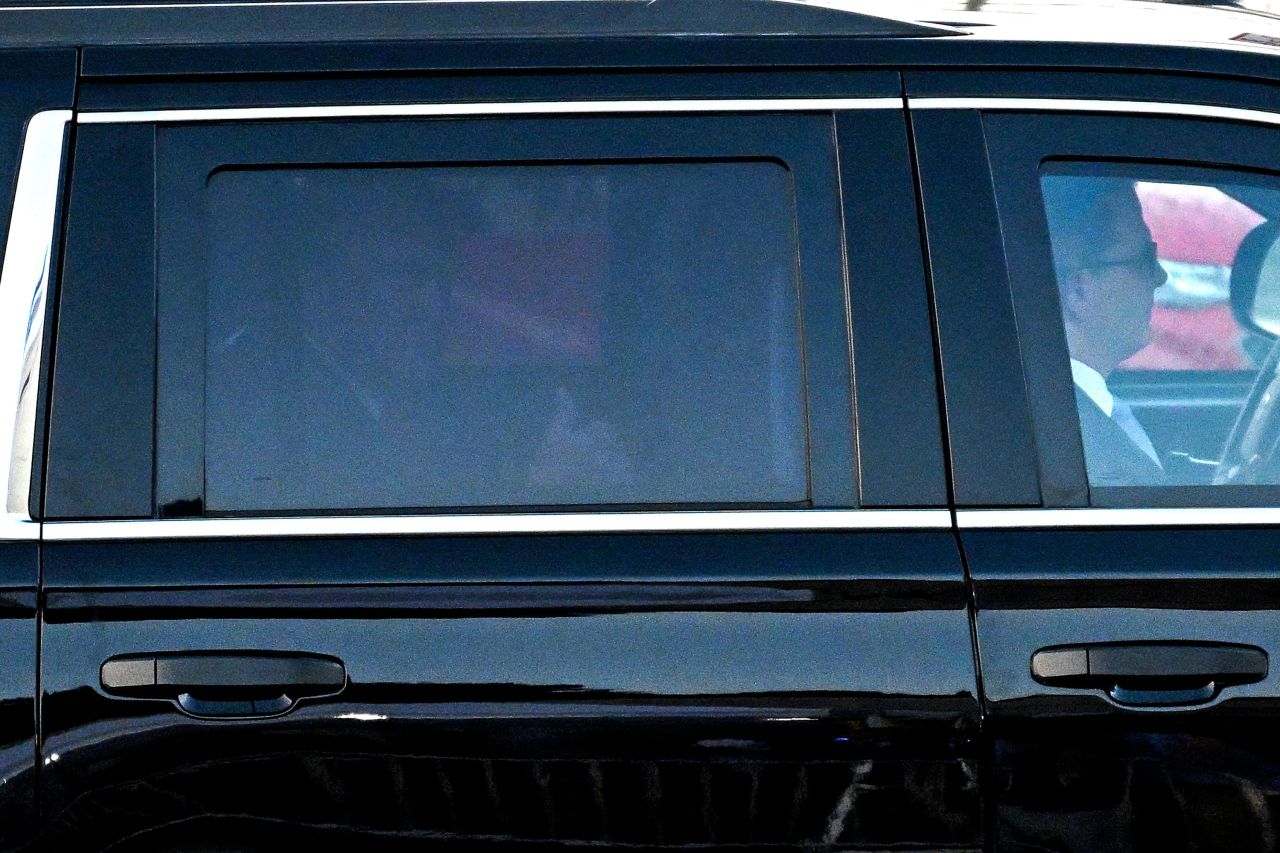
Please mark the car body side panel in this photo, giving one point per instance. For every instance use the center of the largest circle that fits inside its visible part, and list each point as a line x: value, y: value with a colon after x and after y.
x: 791, y: 713
x: 18, y: 772
x: 19, y: 566
x: 622, y: 558
x: 1074, y: 771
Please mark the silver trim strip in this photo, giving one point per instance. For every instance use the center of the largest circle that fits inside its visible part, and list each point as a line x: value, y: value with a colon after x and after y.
x: 1095, y: 106
x: 23, y: 283
x: 1011, y: 519
x: 493, y: 109
x: 657, y: 522
x: 676, y: 521
x: 479, y: 525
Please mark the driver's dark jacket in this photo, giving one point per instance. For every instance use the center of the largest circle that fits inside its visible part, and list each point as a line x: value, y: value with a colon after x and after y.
x: 1110, y: 455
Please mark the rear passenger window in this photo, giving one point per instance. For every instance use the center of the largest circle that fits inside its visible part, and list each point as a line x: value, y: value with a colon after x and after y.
x: 417, y: 315
x: 579, y: 333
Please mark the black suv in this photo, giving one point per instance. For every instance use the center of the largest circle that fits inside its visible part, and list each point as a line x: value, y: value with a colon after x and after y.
x: 672, y: 424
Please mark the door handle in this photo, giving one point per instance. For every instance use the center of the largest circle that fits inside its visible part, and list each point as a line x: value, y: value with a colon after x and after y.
x: 1151, y: 674
x: 239, y: 684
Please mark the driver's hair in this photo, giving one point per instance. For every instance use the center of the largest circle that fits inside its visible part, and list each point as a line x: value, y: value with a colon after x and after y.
x: 1077, y: 210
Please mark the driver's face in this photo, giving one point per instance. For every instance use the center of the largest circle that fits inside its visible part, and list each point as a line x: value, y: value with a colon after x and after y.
x: 1115, y: 281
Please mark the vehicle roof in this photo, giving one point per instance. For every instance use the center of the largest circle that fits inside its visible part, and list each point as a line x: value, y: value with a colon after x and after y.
x: 47, y: 23
x: 193, y: 36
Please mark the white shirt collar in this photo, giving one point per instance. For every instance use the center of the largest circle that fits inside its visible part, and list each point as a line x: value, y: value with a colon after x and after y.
x: 1093, y: 385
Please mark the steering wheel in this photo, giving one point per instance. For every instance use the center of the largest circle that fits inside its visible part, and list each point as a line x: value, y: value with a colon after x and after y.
x: 1251, y: 454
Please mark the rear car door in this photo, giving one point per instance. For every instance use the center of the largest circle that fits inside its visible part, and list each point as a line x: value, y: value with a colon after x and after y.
x: 1124, y: 567
x: 485, y: 474
x: 36, y: 91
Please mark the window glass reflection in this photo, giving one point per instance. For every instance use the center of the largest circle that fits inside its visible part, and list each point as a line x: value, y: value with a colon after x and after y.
x: 503, y: 335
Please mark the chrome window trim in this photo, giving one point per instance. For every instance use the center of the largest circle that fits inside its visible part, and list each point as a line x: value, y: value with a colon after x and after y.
x: 24, y: 281
x: 665, y: 522
x: 1055, y: 519
x: 725, y: 521
x: 720, y: 521
x: 748, y: 105
x: 1180, y: 110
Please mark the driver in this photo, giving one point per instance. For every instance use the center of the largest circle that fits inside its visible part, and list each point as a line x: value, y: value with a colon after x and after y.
x: 1107, y: 273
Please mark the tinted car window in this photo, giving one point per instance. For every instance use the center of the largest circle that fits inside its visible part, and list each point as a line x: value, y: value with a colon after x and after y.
x: 1144, y: 265
x: 571, y: 333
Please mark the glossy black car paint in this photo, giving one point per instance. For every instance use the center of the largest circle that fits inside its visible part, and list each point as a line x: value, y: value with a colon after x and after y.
x: 672, y: 721
x: 1074, y: 771
x: 18, y: 770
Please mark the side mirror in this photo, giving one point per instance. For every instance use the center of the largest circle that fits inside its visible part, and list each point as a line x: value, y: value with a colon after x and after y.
x: 1255, y: 280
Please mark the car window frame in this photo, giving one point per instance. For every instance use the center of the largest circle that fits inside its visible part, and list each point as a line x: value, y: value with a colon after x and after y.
x: 1021, y: 138
x: 819, y: 207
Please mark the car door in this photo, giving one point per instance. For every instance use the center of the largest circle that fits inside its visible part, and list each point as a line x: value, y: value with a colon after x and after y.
x: 1125, y: 589
x: 36, y: 90
x: 482, y: 475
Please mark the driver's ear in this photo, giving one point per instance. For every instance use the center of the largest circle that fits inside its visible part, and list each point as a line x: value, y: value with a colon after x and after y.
x: 1073, y: 293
